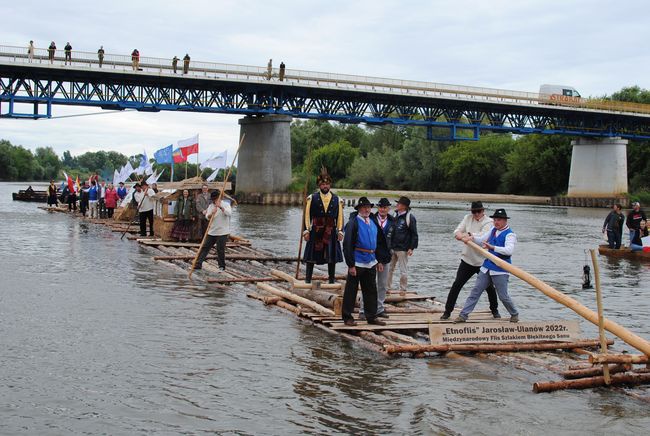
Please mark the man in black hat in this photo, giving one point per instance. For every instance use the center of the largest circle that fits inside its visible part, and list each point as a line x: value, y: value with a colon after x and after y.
x: 500, y: 241
x: 218, y: 231
x: 323, y: 228
x: 404, y: 241
x: 474, y: 224
x: 386, y: 222
x: 364, y: 249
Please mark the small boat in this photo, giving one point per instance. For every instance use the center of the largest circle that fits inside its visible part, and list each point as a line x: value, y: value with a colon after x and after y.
x: 30, y: 195
x: 623, y: 252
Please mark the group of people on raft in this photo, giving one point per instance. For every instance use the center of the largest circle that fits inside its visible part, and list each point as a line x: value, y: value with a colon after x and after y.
x: 374, y: 245
x: 636, y: 223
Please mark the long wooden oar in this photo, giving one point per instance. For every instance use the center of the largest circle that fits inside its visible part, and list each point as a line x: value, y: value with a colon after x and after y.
x: 304, y: 210
x: 221, y: 194
x: 621, y: 332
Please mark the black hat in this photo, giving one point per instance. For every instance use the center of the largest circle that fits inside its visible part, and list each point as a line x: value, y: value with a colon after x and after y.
x: 500, y: 213
x: 214, y: 194
x: 121, y: 183
x: 144, y: 183
x: 383, y: 202
x: 476, y: 205
x: 363, y: 201
x: 405, y: 201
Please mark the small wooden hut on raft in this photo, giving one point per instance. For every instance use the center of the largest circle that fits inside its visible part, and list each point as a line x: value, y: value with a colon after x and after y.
x: 165, y: 205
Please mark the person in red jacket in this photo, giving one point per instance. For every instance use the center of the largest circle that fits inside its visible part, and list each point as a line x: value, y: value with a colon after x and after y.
x: 111, y: 199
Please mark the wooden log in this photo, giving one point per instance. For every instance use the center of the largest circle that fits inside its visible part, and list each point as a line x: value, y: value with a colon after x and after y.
x: 624, y: 334
x: 618, y: 358
x: 398, y: 337
x: 245, y: 280
x: 601, y: 323
x: 315, y: 284
x: 289, y: 307
x: 595, y: 371
x: 296, y: 299
x: 375, y: 338
x: 492, y: 348
x: 324, y: 298
x: 266, y: 299
x: 231, y: 257
x: 591, y: 382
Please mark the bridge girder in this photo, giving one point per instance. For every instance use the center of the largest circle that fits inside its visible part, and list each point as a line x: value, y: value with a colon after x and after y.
x: 47, y: 87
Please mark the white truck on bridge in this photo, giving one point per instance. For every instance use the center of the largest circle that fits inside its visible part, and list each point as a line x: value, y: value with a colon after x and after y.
x: 559, y: 93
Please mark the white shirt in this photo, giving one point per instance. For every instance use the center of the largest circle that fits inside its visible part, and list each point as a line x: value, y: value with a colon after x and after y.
x: 145, y: 202
x: 506, y: 250
x: 476, y: 228
x: 221, y: 222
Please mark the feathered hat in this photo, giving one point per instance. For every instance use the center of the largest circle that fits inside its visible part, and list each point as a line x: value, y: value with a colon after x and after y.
x: 323, y: 177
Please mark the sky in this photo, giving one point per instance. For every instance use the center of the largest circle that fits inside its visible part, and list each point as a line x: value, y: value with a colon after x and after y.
x: 596, y: 46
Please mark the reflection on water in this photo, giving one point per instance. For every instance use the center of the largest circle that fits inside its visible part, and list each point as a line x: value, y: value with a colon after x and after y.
x: 95, y: 337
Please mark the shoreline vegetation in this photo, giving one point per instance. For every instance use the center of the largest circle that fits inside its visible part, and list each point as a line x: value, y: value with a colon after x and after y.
x: 382, y: 159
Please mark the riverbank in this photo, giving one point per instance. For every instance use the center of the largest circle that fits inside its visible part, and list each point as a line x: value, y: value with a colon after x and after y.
x: 446, y: 196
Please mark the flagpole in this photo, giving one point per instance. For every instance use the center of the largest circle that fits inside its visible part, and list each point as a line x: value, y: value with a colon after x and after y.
x: 197, y: 163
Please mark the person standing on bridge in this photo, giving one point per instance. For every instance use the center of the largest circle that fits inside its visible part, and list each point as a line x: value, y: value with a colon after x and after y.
x: 100, y: 56
x: 500, y: 241
x: 135, y: 59
x: 186, y: 63
x: 68, y: 53
x: 175, y: 63
x: 323, y: 228
x: 281, y: 74
x: 30, y: 51
x: 474, y: 224
x: 269, y: 69
x: 50, y: 51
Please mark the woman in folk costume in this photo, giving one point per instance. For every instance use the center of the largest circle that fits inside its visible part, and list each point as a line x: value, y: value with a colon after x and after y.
x: 184, y: 217
x: 51, y: 194
x: 323, y: 228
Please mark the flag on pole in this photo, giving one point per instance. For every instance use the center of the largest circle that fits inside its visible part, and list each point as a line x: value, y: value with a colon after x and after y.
x: 213, y: 176
x: 116, y: 177
x: 154, y: 177
x: 77, y: 184
x: 145, y: 167
x: 164, y: 155
x: 126, y: 171
x: 69, y: 182
x: 178, y: 156
x: 189, y: 146
x: 216, y: 161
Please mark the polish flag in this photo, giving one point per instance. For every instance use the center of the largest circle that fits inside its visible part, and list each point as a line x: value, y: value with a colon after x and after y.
x: 189, y: 146
x: 69, y: 182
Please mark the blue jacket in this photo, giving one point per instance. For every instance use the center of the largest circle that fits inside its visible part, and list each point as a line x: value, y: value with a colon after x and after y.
x: 382, y: 254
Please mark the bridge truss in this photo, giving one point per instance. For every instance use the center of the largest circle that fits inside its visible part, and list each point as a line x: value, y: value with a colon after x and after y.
x: 31, y: 91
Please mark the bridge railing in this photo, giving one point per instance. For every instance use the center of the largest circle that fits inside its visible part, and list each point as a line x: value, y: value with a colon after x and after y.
x: 214, y: 70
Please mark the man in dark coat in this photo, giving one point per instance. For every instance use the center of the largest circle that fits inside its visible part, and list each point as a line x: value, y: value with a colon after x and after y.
x: 366, y: 253
x: 403, y: 242
x: 323, y: 228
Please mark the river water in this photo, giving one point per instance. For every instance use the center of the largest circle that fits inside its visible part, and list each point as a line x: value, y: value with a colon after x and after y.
x: 95, y: 337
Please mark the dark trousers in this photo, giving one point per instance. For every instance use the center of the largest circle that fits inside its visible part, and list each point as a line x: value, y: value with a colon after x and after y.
x: 331, y: 272
x: 110, y: 211
x: 368, y: 279
x: 463, y: 274
x: 221, y: 250
x: 144, y: 216
x: 101, y: 205
x: 83, y: 207
x: 614, y: 239
x: 72, y: 202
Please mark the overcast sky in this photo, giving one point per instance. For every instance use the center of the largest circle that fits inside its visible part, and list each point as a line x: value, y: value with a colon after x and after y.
x: 596, y: 46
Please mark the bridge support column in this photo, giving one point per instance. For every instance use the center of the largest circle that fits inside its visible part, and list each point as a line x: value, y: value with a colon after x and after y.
x: 598, y: 167
x: 264, y: 163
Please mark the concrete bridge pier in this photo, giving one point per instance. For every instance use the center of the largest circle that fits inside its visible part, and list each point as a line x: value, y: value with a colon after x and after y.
x: 264, y: 163
x: 598, y: 167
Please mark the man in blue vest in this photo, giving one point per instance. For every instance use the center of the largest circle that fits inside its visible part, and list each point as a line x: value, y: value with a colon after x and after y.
x: 362, y: 244
x: 323, y: 228
x: 500, y: 241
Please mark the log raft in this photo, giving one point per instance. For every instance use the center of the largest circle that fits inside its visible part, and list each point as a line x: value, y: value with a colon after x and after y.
x: 410, y: 315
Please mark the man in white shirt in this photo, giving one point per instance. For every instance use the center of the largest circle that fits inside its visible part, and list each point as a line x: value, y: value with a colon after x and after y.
x: 218, y: 230
x: 145, y: 208
x: 500, y: 241
x: 474, y: 224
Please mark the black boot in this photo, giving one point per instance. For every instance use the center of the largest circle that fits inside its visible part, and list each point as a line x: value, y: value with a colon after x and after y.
x: 309, y: 271
x: 331, y: 272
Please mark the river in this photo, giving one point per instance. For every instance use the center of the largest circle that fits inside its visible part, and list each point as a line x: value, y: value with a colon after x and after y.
x: 95, y: 337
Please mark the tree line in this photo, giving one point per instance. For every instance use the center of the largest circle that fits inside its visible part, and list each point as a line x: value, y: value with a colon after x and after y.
x: 379, y: 157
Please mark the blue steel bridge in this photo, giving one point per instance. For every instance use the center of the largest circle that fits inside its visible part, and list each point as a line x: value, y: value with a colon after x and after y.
x: 29, y: 88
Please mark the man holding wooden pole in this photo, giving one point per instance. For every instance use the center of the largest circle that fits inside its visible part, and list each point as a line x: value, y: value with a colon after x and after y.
x: 218, y: 231
x: 499, y: 241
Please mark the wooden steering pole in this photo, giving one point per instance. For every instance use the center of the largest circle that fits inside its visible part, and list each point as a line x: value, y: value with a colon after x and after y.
x: 221, y: 194
x: 621, y: 332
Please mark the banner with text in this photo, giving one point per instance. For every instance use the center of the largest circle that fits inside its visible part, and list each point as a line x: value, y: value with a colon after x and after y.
x: 496, y: 333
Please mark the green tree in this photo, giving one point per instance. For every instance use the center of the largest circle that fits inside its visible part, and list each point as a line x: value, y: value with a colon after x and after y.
x: 336, y: 157
x: 49, y: 162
